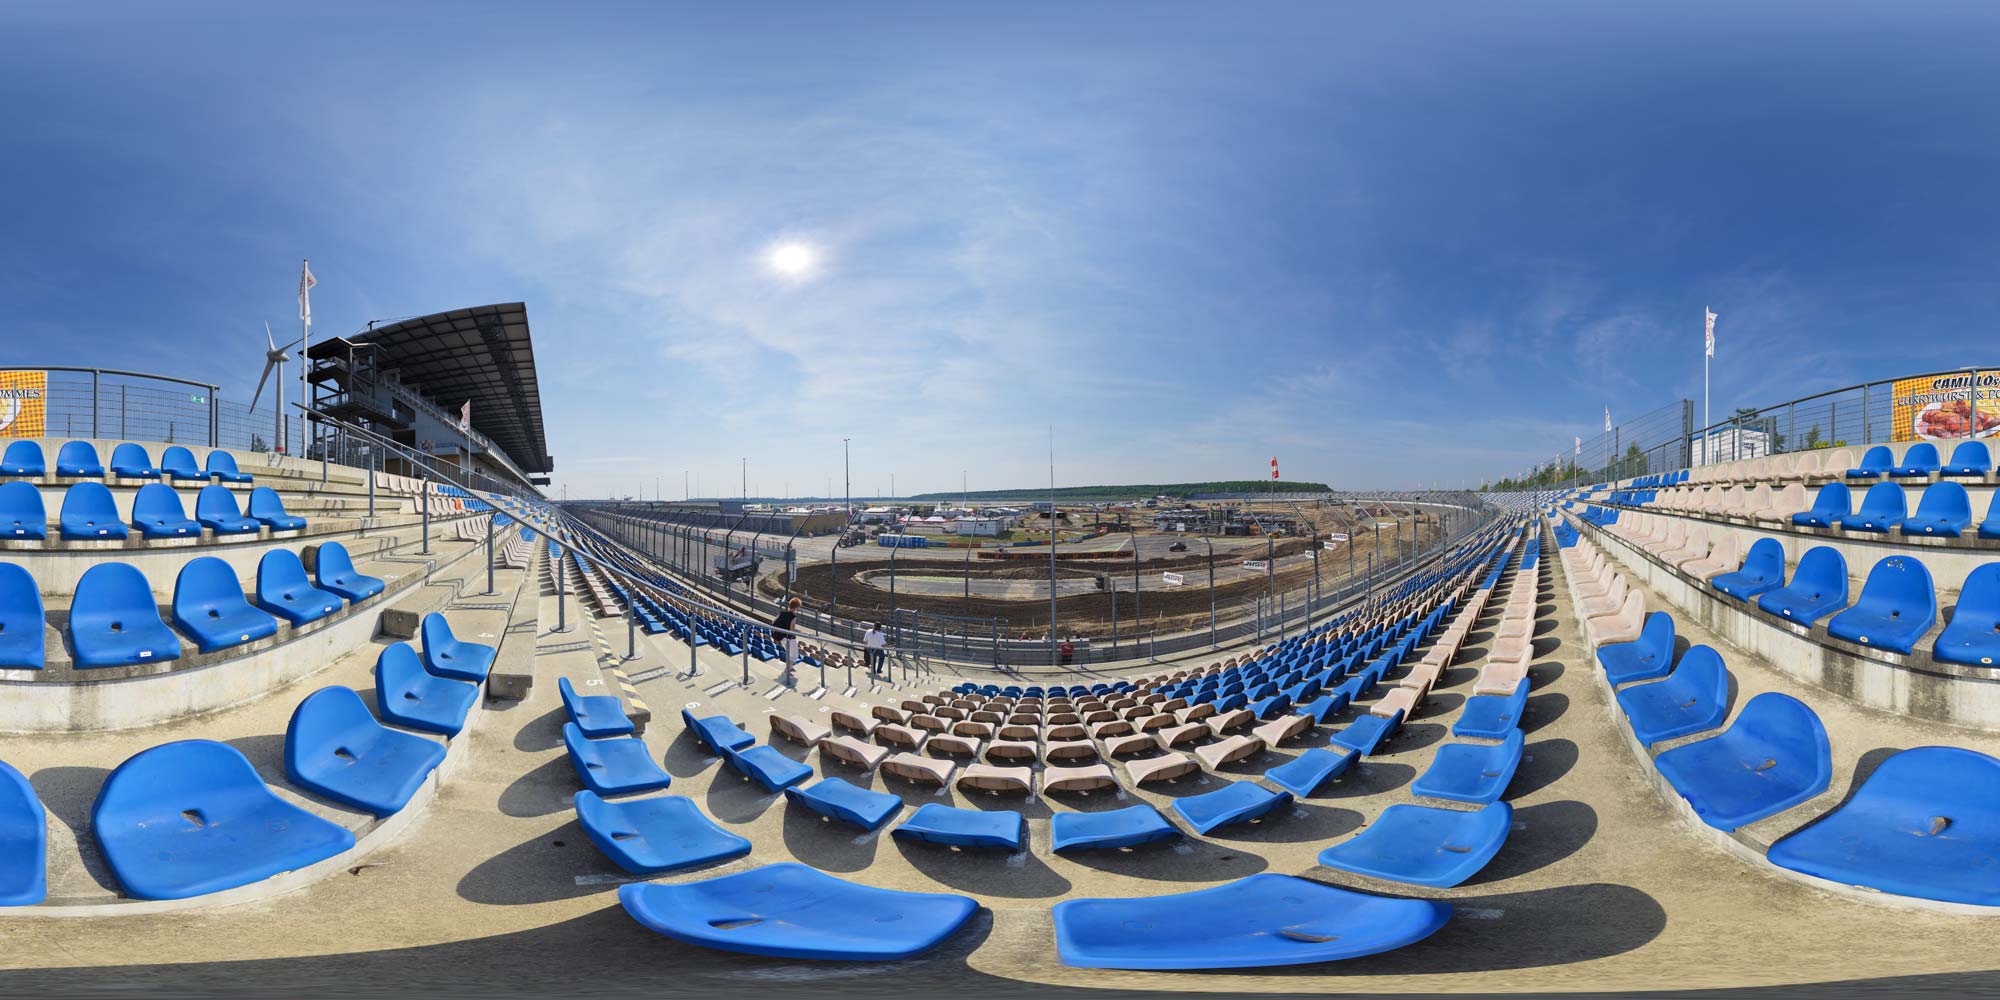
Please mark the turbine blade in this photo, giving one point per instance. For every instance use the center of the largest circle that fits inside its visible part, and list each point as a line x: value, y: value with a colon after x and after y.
x: 268, y: 365
x: 267, y: 336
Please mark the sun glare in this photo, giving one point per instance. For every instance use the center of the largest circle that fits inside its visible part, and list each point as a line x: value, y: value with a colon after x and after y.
x: 792, y: 259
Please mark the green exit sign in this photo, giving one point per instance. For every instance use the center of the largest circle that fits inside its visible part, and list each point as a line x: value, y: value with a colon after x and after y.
x: 197, y: 399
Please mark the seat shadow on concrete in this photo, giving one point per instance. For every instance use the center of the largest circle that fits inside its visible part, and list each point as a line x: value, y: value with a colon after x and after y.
x: 540, y: 870
x: 1444, y: 702
x: 1543, y: 709
x: 1543, y: 645
x: 1535, y: 929
x: 1863, y: 767
x: 543, y: 732
x: 733, y: 798
x: 1368, y: 776
x: 69, y: 793
x: 830, y: 844
x: 1198, y: 783
x: 1545, y: 673
x: 1544, y: 627
x: 1542, y: 764
x: 1006, y: 874
x: 1030, y: 806
x: 1300, y: 822
x: 1187, y: 860
x: 265, y: 751
x: 685, y: 756
x: 1412, y: 736
x: 549, y: 788
x: 1548, y: 833
x: 1101, y: 800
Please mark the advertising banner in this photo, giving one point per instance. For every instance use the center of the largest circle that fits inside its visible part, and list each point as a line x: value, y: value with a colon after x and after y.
x: 1173, y: 579
x: 1935, y: 407
x: 24, y: 399
x: 1255, y: 564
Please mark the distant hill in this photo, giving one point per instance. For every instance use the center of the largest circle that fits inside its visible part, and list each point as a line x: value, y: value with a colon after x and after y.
x: 1138, y: 491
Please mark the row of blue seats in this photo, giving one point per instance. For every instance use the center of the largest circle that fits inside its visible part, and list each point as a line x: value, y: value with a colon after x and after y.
x: 78, y: 460
x: 1943, y: 511
x: 90, y: 514
x: 194, y: 817
x: 1921, y: 461
x: 1925, y: 823
x: 113, y: 621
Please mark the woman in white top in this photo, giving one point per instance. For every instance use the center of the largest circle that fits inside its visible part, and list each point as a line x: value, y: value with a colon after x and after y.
x: 877, y: 646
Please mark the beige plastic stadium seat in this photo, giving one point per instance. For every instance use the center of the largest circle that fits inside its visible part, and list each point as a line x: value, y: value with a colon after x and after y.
x: 1725, y: 557
x: 900, y: 737
x: 1397, y: 699
x: 1836, y: 464
x: 1235, y: 718
x: 1756, y: 501
x: 949, y: 745
x: 1019, y: 731
x: 1606, y: 602
x: 887, y: 714
x: 1228, y: 750
x: 1694, y: 547
x: 1069, y: 751
x: 1422, y: 676
x: 1500, y: 678
x: 1186, y: 732
x: 1621, y: 627
x: 1808, y: 465
x: 799, y: 729
x: 1282, y: 728
x: 921, y: 770
x: 995, y: 780
x: 854, y: 723
x: 1790, y: 500
x: 1065, y: 733
x: 1130, y: 744
x: 1117, y: 727
x: 980, y: 730
x: 933, y: 724
x: 1166, y: 767
x: 1196, y: 713
x: 851, y: 751
x: 1009, y: 752
x: 1087, y: 778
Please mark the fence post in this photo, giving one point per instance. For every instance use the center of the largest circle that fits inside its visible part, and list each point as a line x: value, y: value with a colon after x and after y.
x: 94, y: 376
x: 489, y: 553
x: 214, y: 419
x: 425, y: 505
x: 1867, y: 431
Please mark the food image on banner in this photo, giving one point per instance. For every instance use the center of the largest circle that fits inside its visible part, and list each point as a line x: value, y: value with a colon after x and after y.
x: 23, y: 403
x: 1935, y: 407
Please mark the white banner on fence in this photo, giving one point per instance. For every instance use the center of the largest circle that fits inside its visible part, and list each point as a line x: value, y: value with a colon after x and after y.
x: 1173, y: 579
x: 1256, y: 564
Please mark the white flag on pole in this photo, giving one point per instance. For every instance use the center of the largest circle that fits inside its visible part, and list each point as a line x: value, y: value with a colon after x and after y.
x: 1579, y: 445
x: 1607, y: 418
x: 465, y: 417
x: 1711, y: 330
x: 306, y: 283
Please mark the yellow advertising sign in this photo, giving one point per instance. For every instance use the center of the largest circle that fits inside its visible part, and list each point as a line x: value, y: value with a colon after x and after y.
x: 1935, y: 407
x: 24, y: 403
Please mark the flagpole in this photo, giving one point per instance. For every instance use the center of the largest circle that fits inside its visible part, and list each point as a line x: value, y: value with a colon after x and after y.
x: 305, y: 350
x: 1707, y: 355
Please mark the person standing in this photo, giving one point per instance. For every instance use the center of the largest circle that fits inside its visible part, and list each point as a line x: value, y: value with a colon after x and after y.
x: 877, y: 647
x: 783, y: 627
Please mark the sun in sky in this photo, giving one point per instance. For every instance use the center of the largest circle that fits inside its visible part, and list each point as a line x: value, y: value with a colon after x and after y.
x: 794, y: 260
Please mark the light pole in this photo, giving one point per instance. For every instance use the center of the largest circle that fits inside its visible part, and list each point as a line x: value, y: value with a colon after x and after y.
x: 1211, y: 589
x: 847, y: 486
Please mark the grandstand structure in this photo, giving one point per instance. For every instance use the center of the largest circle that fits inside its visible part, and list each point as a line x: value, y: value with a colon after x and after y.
x: 380, y: 713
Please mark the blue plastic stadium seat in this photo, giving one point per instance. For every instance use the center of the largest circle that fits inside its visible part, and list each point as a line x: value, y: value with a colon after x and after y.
x: 1324, y: 707
x: 283, y: 590
x: 89, y: 514
x: 1423, y: 845
x: 78, y: 459
x: 1897, y: 606
x: 157, y: 513
x: 717, y: 732
x: 788, y: 910
x: 1944, y: 511
x: 23, y: 458
x: 24, y: 843
x: 1830, y: 504
x: 1110, y: 830
x: 215, y: 508
x: 1973, y: 635
x: 1818, y: 586
x: 1255, y: 922
x: 1649, y: 656
x: 1763, y: 570
x: 1875, y: 463
x: 1773, y: 757
x: 209, y: 606
x: 1883, y: 507
x: 113, y: 621
x: 192, y: 817
x: 1969, y: 459
x: 1235, y: 802
x: 22, y: 516
x: 1493, y: 716
x: 768, y: 767
x: 596, y: 714
x: 1693, y: 699
x: 937, y: 823
x: 447, y: 656
x: 267, y: 508
x: 177, y: 463
x: 334, y: 748
x: 22, y: 646
x: 222, y: 468
x: 1990, y: 528
x: 614, y: 766
x: 335, y: 571
x: 130, y: 461
x: 1304, y: 774
x: 1367, y: 732
x: 1471, y: 772
x: 1918, y: 463
x: 1926, y: 824
x: 409, y: 695
x: 649, y: 836
x: 838, y: 798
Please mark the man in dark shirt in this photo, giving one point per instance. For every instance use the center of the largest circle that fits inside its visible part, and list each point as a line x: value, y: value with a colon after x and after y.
x: 781, y: 625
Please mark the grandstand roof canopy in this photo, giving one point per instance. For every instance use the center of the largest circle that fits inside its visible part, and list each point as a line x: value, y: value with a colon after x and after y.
x: 483, y: 354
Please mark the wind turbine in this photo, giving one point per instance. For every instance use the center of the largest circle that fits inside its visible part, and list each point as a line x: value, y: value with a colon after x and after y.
x: 275, y: 357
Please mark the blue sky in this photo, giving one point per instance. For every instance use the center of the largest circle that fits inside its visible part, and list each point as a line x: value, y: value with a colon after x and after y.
x: 1390, y: 244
